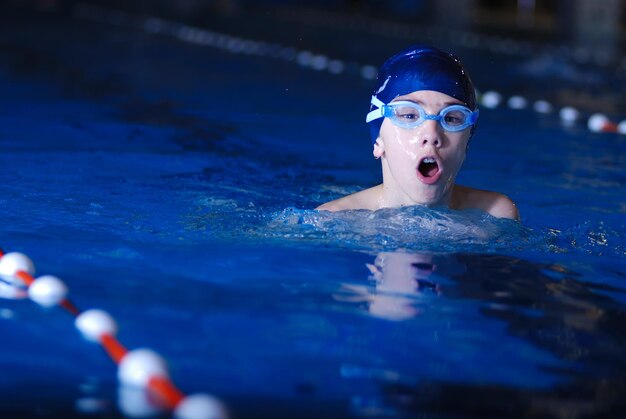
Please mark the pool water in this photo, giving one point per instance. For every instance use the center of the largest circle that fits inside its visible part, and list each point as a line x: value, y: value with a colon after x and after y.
x: 172, y: 183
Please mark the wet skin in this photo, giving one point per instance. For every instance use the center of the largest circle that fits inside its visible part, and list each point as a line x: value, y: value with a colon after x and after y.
x: 420, y: 166
x: 402, y: 151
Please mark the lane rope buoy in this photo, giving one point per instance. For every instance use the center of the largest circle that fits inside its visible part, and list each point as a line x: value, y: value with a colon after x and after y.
x: 320, y: 62
x: 140, y: 368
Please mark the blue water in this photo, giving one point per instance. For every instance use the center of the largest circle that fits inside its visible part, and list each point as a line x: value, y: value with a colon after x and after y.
x: 172, y: 185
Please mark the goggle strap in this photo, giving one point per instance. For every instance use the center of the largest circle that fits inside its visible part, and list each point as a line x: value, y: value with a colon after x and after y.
x: 377, y: 102
x: 376, y: 113
x: 474, y: 117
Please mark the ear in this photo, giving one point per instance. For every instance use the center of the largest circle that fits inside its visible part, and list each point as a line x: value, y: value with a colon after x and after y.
x: 379, y: 148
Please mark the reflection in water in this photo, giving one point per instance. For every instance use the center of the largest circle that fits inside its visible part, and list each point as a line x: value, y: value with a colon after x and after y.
x: 402, y: 283
x: 11, y: 292
x: 136, y: 402
x: 548, y: 306
x: 400, y: 280
x: 578, y: 320
x: 141, y: 400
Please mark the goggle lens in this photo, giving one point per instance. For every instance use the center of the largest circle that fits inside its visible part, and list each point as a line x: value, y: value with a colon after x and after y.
x: 410, y: 115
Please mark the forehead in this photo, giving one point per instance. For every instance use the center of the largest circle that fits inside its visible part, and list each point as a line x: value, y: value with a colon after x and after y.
x: 430, y: 97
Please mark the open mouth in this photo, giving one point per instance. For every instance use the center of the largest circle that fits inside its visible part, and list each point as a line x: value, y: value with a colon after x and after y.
x: 428, y: 170
x: 428, y: 167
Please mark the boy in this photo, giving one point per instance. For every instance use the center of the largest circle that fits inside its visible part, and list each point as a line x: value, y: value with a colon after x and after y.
x: 422, y: 117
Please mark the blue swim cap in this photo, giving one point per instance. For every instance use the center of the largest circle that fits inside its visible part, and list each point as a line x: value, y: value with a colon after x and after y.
x: 422, y: 67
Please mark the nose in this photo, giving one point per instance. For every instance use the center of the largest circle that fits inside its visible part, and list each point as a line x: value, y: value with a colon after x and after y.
x: 430, y: 134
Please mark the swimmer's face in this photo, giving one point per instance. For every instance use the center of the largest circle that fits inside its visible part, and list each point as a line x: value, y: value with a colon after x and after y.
x: 420, y: 164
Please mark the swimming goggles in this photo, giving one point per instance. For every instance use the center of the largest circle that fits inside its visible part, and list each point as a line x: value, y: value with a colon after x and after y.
x: 406, y: 114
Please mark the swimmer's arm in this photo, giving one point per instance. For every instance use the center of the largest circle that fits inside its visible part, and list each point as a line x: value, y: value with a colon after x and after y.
x: 346, y: 203
x: 494, y: 203
x: 331, y: 206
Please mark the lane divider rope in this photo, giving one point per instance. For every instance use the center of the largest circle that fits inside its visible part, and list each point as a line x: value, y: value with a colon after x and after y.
x: 569, y: 116
x: 140, y: 368
x: 378, y: 26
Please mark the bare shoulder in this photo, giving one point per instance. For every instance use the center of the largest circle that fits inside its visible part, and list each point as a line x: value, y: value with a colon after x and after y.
x: 496, y: 204
x: 365, y: 199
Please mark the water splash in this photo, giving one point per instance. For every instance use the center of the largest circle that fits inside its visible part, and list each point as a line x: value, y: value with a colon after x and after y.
x: 412, y: 228
x: 593, y: 237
